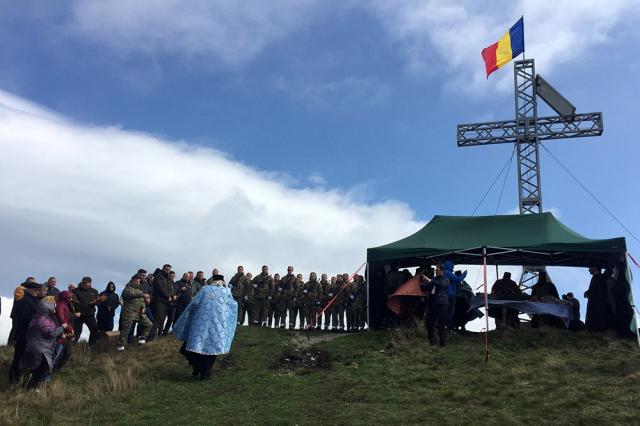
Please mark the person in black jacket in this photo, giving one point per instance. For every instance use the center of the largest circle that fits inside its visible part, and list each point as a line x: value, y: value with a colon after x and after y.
x: 107, y: 309
x: 623, y: 314
x: 183, y: 292
x: 171, y: 308
x: 437, y: 303
x: 162, y: 298
x: 21, y: 315
x: 597, y: 306
x: 85, y: 300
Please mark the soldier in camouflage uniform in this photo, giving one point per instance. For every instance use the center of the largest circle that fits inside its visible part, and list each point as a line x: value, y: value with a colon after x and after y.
x: 247, y: 299
x: 287, y: 292
x: 311, y: 293
x: 357, y: 297
x: 273, y: 303
x: 337, y: 309
x: 324, y: 299
x: 262, y: 289
x: 298, y: 303
x: 134, y: 309
x: 348, y: 300
x: 237, y: 291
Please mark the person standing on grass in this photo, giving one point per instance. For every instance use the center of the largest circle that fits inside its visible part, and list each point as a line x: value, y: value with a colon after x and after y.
x: 162, y: 298
x: 64, y: 345
x: 133, y: 310
x: 207, y: 326
x: 41, y: 336
x: 107, y: 309
x: 21, y: 316
x: 183, y: 293
x: 437, y: 303
x: 86, y: 299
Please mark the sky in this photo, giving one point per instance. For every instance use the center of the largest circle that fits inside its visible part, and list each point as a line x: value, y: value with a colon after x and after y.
x: 216, y: 133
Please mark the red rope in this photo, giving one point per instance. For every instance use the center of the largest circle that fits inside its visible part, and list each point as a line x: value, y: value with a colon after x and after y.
x: 633, y: 260
x: 330, y: 302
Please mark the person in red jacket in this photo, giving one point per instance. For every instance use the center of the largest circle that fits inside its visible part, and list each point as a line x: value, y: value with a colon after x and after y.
x: 64, y: 345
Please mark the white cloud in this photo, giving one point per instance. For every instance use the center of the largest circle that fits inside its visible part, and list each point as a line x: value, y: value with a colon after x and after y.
x: 78, y: 200
x: 317, y: 179
x: 230, y: 31
x: 346, y: 94
x: 448, y: 37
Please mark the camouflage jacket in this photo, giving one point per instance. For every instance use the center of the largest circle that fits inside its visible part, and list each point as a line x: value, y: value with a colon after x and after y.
x: 310, y: 292
x: 325, y: 289
x: 132, y: 299
x: 358, y: 294
x: 247, y: 290
x: 236, y: 286
x: 264, y: 287
x: 288, y: 285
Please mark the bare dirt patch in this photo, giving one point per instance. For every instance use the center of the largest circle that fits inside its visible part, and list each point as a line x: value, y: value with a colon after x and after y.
x: 302, y: 360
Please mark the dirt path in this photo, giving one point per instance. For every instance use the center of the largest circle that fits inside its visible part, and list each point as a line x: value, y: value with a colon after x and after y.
x: 301, y: 342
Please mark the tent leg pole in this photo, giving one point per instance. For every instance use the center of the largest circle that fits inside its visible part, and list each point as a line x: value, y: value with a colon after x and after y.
x: 486, y: 306
x: 366, y: 272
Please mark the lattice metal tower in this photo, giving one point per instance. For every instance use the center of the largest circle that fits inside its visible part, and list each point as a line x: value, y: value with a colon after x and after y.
x: 526, y: 131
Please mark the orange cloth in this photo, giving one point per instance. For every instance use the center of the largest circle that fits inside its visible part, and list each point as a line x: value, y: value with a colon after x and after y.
x: 405, y: 298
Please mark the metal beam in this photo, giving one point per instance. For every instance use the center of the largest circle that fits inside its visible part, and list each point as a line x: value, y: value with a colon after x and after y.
x: 556, y: 127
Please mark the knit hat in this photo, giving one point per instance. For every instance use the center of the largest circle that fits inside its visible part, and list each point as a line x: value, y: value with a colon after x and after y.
x: 33, y: 285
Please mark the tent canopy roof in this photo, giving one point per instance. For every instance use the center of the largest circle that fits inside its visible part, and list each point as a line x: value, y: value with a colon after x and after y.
x: 534, y: 239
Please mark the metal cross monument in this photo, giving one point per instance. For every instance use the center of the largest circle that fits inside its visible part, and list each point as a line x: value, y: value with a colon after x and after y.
x: 527, y: 130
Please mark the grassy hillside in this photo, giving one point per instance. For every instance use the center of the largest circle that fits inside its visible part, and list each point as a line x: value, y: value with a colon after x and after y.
x: 271, y: 376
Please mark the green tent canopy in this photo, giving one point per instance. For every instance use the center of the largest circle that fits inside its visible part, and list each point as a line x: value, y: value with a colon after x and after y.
x: 535, y: 239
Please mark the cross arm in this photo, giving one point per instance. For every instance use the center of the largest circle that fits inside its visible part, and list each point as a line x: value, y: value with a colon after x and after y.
x: 556, y: 127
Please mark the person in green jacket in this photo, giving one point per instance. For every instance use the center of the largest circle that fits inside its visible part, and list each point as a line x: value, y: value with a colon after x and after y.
x: 357, y: 297
x: 262, y: 285
x: 247, y: 299
x: 237, y: 291
x: 337, y: 309
x: 134, y: 309
x: 298, y: 303
x: 287, y: 292
x: 311, y: 293
x: 325, y: 287
x: 273, y: 311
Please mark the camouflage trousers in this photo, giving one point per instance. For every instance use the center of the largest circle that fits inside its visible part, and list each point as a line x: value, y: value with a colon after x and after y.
x: 356, y: 315
x: 247, y: 313
x: 294, y: 312
x: 337, y: 316
x: 126, y: 321
x: 284, y: 307
x: 273, y: 314
x: 310, y: 314
x: 260, y: 310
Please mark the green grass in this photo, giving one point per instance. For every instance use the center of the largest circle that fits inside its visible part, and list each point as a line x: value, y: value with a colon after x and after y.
x: 532, y: 377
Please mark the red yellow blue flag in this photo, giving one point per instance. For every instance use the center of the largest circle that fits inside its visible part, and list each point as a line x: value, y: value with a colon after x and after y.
x: 510, y: 45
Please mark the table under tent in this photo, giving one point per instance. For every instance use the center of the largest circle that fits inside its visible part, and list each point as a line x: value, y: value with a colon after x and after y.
x: 505, y: 240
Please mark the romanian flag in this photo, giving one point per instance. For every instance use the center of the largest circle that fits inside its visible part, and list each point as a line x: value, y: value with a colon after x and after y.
x: 510, y: 45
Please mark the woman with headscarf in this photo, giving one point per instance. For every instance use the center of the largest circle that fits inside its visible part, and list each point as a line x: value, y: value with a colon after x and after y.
x: 207, y: 326
x: 64, y: 315
x: 107, y: 309
x: 41, y: 336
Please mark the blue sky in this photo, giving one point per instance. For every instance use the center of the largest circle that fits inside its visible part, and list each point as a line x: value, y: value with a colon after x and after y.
x: 352, y: 104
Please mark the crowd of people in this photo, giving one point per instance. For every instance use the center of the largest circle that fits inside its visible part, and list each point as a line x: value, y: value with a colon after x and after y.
x: 447, y: 296
x: 47, y: 322
x: 608, y: 306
